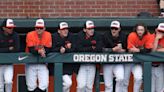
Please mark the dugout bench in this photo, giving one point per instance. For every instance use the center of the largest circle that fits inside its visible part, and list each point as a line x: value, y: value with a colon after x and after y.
x: 76, y: 24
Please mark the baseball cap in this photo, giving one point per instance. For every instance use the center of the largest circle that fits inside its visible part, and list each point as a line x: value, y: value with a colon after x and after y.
x: 8, y: 23
x: 115, y: 24
x: 160, y: 27
x: 63, y: 25
x: 89, y: 24
x: 40, y: 23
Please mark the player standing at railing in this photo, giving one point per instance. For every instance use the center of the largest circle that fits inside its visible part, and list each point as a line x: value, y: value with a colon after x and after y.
x: 114, y: 41
x: 9, y: 43
x: 157, y: 68
x: 88, y: 41
x: 139, y: 41
x: 64, y: 42
x: 38, y: 43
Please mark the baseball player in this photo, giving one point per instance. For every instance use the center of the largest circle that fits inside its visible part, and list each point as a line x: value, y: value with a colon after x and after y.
x: 114, y: 41
x: 157, y: 68
x: 9, y: 43
x: 39, y: 43
x: 63, y: 42
x: 138, y: 42
x: 88, y: 41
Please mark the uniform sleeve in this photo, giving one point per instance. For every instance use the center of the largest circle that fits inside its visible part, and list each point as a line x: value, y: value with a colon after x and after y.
x: 30, y: 44
x: 125, y: 42
x: 150, y: 41
x: 99, y: 44
x: 48, y: 45
x: 72, y: 49
x: 49, y: 41
x: 105, y: 43
x: 17, y: 43
x: 55, y: 48
x: 33, y: 50
x: 29, y: 41
x: 4, y: 50
x: 82, y: 48
x: 130, y: 41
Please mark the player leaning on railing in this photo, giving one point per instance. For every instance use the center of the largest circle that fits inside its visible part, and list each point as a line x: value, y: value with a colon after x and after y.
x: 88, y: 41
x: 157, y: 68
x: 114, y: 41
x: 38, y: 43
x: 9, y: 43
x: 64, y: 42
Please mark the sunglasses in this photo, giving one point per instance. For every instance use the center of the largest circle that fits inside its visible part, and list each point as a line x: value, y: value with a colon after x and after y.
x: 160, y: 31
x: 39, y: 28
x: 9, y: 27
x: 113, y: 28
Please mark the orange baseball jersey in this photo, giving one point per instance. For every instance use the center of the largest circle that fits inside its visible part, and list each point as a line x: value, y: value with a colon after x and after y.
x: 161, y: 43
x: 32, y: 39
x: 145, y: 42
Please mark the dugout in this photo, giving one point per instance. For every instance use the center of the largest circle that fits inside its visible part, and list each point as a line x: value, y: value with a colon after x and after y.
x: 102, y: 24
x: 76, y: 24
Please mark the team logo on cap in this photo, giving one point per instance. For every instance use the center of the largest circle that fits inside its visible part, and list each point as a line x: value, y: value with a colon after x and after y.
x: 63, y: 25
x: 115, y: 24
x: 89, y: 24
x: 9, y: 23
x: 161, y: 27
x: 39, y: 23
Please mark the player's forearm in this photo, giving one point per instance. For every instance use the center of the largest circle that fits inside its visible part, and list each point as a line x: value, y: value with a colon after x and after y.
x: 145, y: 50
x: 4, y: 50
x: 70, y: 50
x: 85, y: 49
x: 55, y: 49
x: 47, y: 50
x: 155, y: 45
x: 33, y: 50
x: 160, y: 50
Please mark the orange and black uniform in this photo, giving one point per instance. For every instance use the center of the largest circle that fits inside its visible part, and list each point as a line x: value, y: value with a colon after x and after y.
x: 109, y: 41
x: 161, y: 45
x: 161, y: 42
x: 144, y: 44
x: 9, y: 40
x: 59, y: 42
x: 33, y: 42
x: 85, y: 44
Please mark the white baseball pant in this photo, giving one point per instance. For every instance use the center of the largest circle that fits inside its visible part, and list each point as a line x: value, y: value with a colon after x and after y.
x: 109, y: 70
x: 86, y: 77
x: 157, y: 78
x: 67, y: 82
x: 34, y: 71
x: 136, y: 69
x: 6, y: 77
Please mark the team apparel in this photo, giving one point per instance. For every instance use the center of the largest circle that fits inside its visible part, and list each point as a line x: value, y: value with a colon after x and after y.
x: 145, y: 45
x: 40, y: 71
x: 6, y: 70
x: 116, y: 69
x: 86, y: 74
x: 68, y: 68
x: 157, y: 71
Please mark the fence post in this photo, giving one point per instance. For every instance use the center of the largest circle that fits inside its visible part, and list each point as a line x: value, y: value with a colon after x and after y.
x: 58, y: 72
x: 147, y: 76
x: 97, y: 80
